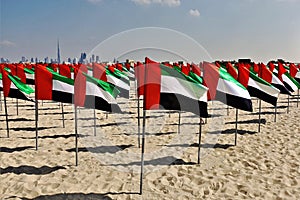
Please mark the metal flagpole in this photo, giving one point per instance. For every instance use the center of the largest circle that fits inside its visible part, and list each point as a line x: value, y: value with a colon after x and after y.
x: 236, y: 124
x: 275, y: 113
x: 6, y: 116
x: 63, y: 114
x: 288, y: 104
x: 143, y: 151
x: 298, y: 99
x: 227, y: 110
x: 179, y: 120
x: 199, y: 141
x: 95, y: 131
x: 139, y: 122
x: 76, y: 138
x: 259, y: 116
x: 17, y: 104
x: 36, y: 124
x: 0, y: 101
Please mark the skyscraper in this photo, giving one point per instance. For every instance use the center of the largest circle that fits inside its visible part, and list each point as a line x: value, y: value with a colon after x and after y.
x: 58, y: 52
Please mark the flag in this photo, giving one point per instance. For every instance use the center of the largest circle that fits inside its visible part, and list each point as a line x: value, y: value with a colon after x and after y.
x: 139, y: 71
x: 223, y: 87
x: 271, y: 78
x: 89, y: 92
x: 94, y: 93
x: 290, y: 83
x: 118, y: 79
x: 257, y: 87
x: 50, y: 85
x: 231, y: 70
x: 13, y: 87
x: 169, y: 89
x: 295, y: 72
x: 99, y: 72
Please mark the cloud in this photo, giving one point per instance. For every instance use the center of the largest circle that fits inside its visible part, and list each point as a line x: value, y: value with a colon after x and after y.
x: 94, y: 1
x: 170, y: 3
x: 194, y: 12
x: 6, y: 43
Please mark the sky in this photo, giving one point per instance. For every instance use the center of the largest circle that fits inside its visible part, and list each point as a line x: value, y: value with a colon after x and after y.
x: 227, y: 29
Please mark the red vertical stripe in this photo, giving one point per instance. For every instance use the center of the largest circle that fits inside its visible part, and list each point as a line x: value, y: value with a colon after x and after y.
x: 211, y: 78
x: 64, y: 70
x: 119, y: 66
x: 139, y: 72
x: 152, y: 85
x: 231, y: 70
x: 80, y: 86
x: 255, y: 68
x: 271, y: 66
x: 43, y: 83
x: 6, y: 82
x: 21, y: 73
x: 185, y: 69
x: 99, y: 72
x: 265, y: 73
x: 281, y: 71
x: 196, y: 69
x: 293, y: 70
x: 243, y: 76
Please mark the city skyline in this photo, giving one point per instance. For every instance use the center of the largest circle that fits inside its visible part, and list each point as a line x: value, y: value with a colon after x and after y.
x: 261, y: 30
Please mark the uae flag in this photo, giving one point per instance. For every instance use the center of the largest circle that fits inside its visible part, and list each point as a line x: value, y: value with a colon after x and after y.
x: 94, y: 93
x: 267, y: 75
x: 166, y: 88
x: 223, y: 87
x: 294, y: 72
x: 13, y: 87
x: 139, y: 71
x: 118, y: 79
x: 290, y: 83
x: 256, y: 86
x: 50, y: 85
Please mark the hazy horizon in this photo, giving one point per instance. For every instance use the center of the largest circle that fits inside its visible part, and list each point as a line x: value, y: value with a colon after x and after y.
x: 261, y: 30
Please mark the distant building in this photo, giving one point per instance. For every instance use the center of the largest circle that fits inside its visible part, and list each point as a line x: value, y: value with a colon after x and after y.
x: 58, y: 52
x: 75, y: 61
x: 23, y: 59
x: 46, y: 60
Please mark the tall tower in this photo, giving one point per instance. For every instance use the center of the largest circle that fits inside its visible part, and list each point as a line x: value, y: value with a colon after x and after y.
x: 58, y: 52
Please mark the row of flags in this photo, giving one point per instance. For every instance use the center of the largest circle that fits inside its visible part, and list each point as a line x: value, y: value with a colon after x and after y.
x: 170, y: 86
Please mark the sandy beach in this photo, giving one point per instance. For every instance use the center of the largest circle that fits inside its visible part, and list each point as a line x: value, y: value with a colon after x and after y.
x: 264, y: 165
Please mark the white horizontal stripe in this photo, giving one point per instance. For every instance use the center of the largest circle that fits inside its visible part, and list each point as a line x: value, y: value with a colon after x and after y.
x: 117, y: 82
x: 62, y: 86
x: 90, y: 73
x: 228, y: 87
x: 288, y: 81
x: 30, y: 76
x: 275, y: 80
x: 264, y: 88
x: 94, y: 90
x: 179, y: 86
x: 298, y: 74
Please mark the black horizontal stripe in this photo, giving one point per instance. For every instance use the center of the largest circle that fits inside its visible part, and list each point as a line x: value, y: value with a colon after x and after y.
x: 283, y: 89
x: 170, y: 101
x: 234, y: 101
x: 254, y: 92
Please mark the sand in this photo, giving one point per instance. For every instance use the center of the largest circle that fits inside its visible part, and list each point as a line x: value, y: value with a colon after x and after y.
x: 264, y: 165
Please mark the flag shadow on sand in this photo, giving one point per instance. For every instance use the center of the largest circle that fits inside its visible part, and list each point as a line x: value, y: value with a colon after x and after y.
x: 30, y: 170
x: 102, y: 149
x: 17, y: 149
x: 164, y: 161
